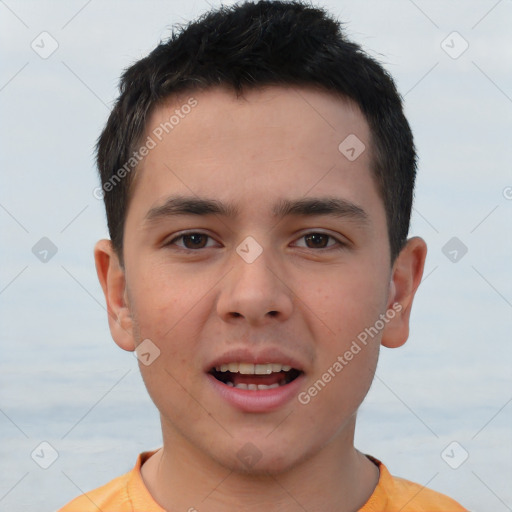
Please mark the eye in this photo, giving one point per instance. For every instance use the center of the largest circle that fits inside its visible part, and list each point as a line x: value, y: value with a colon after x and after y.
x: 191, y: 240
x: 194, y: 240
x: 318, y: 240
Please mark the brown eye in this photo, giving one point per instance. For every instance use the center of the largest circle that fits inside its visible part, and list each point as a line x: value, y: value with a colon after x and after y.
x: 191, y: 241
x: 317, y: 240
x: 197, y: 240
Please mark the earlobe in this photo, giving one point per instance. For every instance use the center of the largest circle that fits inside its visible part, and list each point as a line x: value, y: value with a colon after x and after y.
x: 405, y: 279
x: 112, y: 279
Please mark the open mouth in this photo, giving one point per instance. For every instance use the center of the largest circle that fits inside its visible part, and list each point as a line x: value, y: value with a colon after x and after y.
x: 255, y: 376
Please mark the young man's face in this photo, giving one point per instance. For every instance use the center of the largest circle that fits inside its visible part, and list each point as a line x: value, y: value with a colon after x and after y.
x: 253, y: 287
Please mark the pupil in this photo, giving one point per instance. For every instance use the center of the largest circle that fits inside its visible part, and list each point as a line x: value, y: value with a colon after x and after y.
x: 315, y: 236
x: 195, y: 237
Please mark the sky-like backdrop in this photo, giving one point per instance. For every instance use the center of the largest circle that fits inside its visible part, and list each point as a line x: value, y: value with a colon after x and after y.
x: 440, y: 409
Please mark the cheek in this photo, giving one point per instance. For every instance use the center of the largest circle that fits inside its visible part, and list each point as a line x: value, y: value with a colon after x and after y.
x: 339, y: 311
x: 169, y: 320
x: 341, y: 376
x: 164, y: 302
x: 166, y: 312
x: 342, y: 303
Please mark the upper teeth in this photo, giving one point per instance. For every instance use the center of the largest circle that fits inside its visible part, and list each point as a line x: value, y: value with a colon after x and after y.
x: 253, y: 369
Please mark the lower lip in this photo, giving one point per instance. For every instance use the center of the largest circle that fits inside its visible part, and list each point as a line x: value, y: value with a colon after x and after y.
x: 260, y: 400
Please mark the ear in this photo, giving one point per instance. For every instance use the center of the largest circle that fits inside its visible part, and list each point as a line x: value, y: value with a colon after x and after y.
x: 112, y: 279
x: 406, y: 277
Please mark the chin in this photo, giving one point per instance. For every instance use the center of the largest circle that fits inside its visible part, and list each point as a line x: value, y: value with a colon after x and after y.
x: 256, y: 458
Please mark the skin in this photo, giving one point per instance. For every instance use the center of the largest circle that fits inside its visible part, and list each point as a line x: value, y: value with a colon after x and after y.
x: 310, y: 300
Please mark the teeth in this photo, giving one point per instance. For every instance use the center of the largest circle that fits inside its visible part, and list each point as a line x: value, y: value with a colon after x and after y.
x: 263, y: 369
x: 253, y: 369
x: 243, y: 368
x: 252, y: 387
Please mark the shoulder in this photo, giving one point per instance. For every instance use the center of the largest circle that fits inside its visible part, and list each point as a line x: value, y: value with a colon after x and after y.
x: 111, y: 496
x: 394, y: 493
x: 122, y: 494
x: 420, y: 498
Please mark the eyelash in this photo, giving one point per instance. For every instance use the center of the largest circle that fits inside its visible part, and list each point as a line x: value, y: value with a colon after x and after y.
x: 338, y: 245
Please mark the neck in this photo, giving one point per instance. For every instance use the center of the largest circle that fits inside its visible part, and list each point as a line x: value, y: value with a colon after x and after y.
x: 336, y: 478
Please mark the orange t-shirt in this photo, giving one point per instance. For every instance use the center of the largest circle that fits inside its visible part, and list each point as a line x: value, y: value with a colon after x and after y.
x: 127, y: 493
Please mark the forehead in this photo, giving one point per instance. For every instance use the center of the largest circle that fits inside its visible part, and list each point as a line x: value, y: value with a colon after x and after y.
x: 271, y: 142
x: 299, y: 115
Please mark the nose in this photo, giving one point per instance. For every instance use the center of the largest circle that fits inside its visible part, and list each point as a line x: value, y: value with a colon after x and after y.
x: 256, y: 292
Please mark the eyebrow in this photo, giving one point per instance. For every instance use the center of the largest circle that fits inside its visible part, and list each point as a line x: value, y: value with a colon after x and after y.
x: 305, y: 207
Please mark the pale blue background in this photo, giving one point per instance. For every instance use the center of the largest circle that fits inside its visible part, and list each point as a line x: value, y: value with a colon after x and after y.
x: 450, y: 382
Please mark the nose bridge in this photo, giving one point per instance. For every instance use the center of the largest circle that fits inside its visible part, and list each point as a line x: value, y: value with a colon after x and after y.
x: 254, y: 288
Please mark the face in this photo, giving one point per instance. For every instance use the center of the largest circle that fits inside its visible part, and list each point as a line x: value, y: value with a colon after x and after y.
x: 261, y: 278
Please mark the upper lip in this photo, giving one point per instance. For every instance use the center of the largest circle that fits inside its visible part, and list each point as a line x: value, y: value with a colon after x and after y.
x: 262, y: 356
